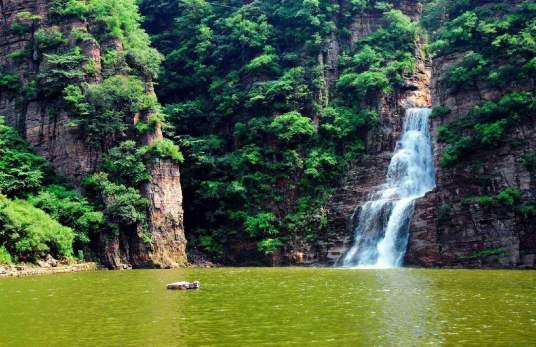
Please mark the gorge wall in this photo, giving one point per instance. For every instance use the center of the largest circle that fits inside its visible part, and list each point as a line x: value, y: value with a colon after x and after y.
x: 50, y: 130
x: 364, y: 174
x: 449, y: 231
x: 460, y: 223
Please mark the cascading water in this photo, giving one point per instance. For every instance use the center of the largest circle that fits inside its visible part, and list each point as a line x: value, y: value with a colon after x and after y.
x: 381, y: 235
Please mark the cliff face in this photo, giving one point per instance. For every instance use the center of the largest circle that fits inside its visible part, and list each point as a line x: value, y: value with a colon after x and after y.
x: 447, y: 228
x: 448, y: 232
x: 365, y: 174
x: 49, y: 130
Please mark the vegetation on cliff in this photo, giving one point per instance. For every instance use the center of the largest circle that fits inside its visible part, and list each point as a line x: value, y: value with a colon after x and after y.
x: 493, y: 46
x: 271, y: 101
x: 38, y: 215
x: 101, y: 97
x: 498, y: 47
x: 266, y: 132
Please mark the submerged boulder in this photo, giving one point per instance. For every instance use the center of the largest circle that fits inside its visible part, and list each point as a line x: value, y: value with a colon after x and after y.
x: 183, y: 285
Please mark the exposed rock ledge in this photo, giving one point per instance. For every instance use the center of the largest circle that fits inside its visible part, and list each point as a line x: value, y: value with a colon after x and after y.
x: 23, y: 270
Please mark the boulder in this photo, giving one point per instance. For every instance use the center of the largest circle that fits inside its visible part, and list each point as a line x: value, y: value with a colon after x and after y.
x: 183, y: 285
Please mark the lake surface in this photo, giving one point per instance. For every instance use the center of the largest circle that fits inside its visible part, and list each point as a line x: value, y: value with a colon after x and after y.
x: 271, y: 307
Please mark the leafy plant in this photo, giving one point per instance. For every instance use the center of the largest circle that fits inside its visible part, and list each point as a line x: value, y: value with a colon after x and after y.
x: 164, y: 149
x: 29, y: 233
x: 70, y: 209
x: 21, y: 171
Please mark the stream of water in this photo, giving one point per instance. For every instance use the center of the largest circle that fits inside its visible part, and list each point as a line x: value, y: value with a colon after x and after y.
x: 381, y: 235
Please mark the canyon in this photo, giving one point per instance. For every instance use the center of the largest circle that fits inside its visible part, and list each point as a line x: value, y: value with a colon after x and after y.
x: 447, y: 230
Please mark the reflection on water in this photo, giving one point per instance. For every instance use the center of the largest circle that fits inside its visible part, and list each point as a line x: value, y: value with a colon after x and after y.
x: 271, y: 307
x: 407, y: 305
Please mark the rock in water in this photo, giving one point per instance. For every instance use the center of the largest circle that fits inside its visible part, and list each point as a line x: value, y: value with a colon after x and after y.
x: 183, y: 285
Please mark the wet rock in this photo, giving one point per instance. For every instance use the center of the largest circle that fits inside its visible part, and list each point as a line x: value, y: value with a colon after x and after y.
x: 184, y: 285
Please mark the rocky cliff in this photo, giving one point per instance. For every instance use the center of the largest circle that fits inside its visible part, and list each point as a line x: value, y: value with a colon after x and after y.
x: 447, y: 230
x: 460, y: 223
x: 366, y: 173
x: 49, y: 129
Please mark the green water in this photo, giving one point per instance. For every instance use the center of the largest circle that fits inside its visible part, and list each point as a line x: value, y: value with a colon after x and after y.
x: 271, y: 307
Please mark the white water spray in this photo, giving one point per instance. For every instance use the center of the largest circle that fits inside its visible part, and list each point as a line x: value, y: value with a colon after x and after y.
x: 381, y: 235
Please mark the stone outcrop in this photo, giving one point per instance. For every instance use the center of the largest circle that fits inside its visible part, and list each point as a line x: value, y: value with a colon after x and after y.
x: 50, y: 132
x: 448, y: 232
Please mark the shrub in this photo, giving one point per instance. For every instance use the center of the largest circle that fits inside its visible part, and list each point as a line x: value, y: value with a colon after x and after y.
x: 262, y: 223
x: 9, y: 81
x: 5, y: 257
x: 452, y: 154
x: 491, y: 134
x: 440, y: 111
x: 487, y: 252
x: 69, y: 8
x: 292, y: 126
x: 19, y: 54
x: 269, y: 246
x: 528, y: 210
x: 112, y: 105
x: 29, y: 232
x: 164, y: 149
x: 466, y: 74
x: 342, y: 122
x: 123, y: 205
x: 61, y: 69
x: 509, y: 197
x: 21, y: 171
x: 48, y: 38
x: 125, y: 163
x: 264, y: 62
x: 529, y: 161
x: 70, y: 209
x: 364, y: 86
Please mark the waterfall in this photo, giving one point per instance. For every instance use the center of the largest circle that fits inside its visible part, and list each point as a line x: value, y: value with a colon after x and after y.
x: 381, y: 235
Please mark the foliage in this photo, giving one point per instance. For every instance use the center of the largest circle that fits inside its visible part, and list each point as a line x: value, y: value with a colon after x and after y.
x: 292, y: 126
x: 487, y: 252
x: 486, y: 126
x: 164, y: 149
x: 122, y: 205
x: 508, y: 197
x: 529, y: 161
x: 125, y: 163
x: 440, y: 111
x: 268, y: 246
x: 444, y: 211
x: 61, y: 69
x: 104, y: 108
x: 29, y: 233
x: 5, y: 257
x: 21, y: 171
x: 465, y: 75
x: 263, y: 223
x: 48, y: 38
x: 70, y: 209
x: 9, y: 81
x: 246, y: 94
